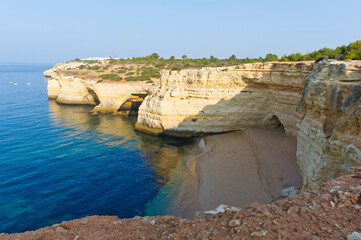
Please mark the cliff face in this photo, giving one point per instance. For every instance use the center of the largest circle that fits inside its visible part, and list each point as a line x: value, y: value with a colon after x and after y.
x: 225, y: 99
x: 107, y: 97
x: 323, y: 111
x: 317, y: 103
x: 329, y: 131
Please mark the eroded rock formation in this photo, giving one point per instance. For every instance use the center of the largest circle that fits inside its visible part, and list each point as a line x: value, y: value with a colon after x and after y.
x: 317, y: 103
x: 107, y: 97
x: 329, y: 130
x: 225, y: 99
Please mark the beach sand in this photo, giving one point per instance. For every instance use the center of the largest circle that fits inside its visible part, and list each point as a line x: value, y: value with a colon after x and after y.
x: 239, y: 168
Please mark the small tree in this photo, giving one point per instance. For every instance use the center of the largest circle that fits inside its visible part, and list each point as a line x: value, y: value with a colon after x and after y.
x: 232, y: 58
x: 184, y: 56
x: 155, y: 55
x: 271, y: 57
x: 172, y: 58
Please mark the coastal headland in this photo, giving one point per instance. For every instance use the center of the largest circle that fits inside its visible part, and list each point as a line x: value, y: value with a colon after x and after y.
x: 315, y: 108
x: 316, y: 103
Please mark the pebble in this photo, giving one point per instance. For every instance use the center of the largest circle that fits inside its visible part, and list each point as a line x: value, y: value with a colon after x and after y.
x: 354, y: 236
x: 84, y: 221
x: 234, y: 223
x: 291, y: 191
x: 260, y: 233
x: 60, y: 229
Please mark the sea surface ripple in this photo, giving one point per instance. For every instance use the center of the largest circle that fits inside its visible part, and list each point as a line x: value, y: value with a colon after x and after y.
x: 59, y: 163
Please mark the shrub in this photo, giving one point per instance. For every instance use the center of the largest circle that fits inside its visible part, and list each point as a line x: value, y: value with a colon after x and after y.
x: 100, y: 71
x: 112, y: 77
x: 84, y: 73
x: 129, y: 73
x: 130, y: 78
x: 160, y: 65
x: 176, y: 68
x: 96, y: 67
x: 151, y: 72
x: 91, y: 61
x: 122, y: 71
x: 137, y: 78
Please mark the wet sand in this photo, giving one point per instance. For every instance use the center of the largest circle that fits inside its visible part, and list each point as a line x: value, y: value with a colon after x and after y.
x: 239, y: 168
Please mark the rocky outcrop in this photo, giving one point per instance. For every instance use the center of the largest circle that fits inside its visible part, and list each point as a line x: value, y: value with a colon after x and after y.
x: 70, y: 91
x: 120, y: 98
x: 331, y: 213
x: 329, y: 130
x: 107, y: 97
x: 114, y: 96
x: 225, y: 99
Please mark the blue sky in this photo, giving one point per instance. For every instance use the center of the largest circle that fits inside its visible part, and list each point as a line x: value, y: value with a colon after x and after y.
x: 54, y: 31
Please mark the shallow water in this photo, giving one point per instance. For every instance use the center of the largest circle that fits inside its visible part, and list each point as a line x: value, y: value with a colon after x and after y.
x: 59, y: 163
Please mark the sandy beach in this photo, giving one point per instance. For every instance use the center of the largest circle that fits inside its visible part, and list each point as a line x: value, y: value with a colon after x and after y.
x: 239, y: 168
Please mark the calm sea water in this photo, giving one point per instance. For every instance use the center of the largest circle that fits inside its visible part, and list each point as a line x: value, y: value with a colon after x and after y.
x: 59, y: 163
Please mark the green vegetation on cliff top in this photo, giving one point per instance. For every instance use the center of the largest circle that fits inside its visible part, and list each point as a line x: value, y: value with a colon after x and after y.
x: 351, y: 51
x: 149, y: 67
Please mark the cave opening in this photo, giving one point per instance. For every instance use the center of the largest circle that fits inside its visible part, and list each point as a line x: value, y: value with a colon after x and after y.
x: 275, y: 121
x: 94, y: 96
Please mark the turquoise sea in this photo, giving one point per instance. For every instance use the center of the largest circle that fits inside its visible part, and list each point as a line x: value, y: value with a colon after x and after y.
x: 59, y: 163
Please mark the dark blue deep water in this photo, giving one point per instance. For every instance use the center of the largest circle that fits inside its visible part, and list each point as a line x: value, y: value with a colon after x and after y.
x: 59, y: 163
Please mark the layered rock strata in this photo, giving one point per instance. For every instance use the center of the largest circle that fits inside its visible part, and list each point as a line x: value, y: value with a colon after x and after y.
x: 225, y: 99
x: 317, y: 103
x: 107, y: 97
x: 329, y: 130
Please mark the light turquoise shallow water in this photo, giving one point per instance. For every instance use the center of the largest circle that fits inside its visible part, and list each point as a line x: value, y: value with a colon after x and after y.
x: 59, y: 163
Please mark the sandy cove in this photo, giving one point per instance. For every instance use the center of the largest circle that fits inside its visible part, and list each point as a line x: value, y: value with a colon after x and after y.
x: 256, y: 165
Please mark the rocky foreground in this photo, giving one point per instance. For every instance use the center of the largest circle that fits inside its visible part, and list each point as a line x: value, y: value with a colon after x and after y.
x: 334, y: 212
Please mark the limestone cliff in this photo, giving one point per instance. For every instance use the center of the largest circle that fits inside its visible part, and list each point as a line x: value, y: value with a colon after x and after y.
x: 329, y: 131
x: 225, y: 99
x: 107, y: 96
x: 318, y: 103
